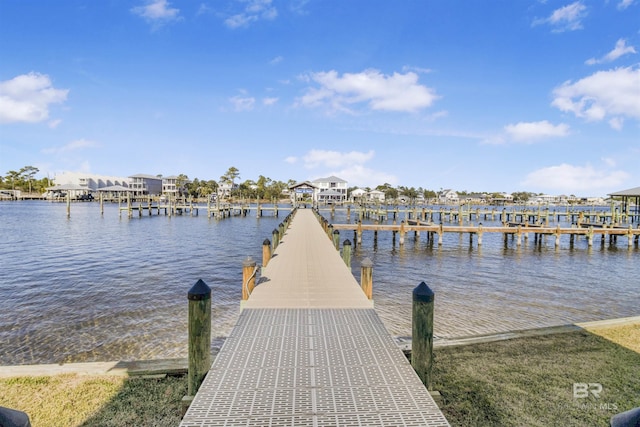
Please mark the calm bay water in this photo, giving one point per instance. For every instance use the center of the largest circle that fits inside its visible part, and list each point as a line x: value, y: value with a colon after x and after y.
x: 92, y: 287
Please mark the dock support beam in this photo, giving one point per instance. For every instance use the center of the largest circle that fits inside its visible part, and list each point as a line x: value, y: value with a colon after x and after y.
x: 199, y: 297
x: 422, y: 333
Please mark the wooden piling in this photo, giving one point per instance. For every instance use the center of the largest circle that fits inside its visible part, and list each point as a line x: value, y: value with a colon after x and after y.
x: 266, y: 252
x: 346, y: 252
x: 366, y: 277
x: 199, y: 297
x: 248, y: 277
x: 422, y: 333
x: 275, y: 238
x: 336, y: 239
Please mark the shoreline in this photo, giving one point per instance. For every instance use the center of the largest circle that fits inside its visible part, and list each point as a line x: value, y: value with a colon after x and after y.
x: 179, y: 366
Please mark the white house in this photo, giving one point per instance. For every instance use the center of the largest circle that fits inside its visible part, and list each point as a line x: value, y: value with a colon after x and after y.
x: 357, y: 194
x: 79, y: 183
x: 170, y: 186
x: 376, y: 196
x: 448, y: 197
x: 331, y: 189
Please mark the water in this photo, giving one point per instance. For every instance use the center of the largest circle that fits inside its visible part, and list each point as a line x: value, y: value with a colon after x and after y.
x: 92, y: 287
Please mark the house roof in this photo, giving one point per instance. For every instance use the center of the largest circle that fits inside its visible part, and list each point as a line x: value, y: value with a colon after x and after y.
x: 330, y: 193
x: 632, y: 192
x: 303, y: 184
x: 115, y: 188
x: 332, y: 178
x: 145, y: 176
x: 67, y: 187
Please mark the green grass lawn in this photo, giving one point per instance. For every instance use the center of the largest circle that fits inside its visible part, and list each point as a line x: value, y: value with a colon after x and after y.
x: 530, y: 381
x: 519, y: 382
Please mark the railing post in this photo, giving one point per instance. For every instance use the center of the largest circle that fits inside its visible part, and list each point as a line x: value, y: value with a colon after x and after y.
x: 366, y: 277
x: 248, y: 277
x: 275, y: 238
x: 346, y: 252
x: 336, y: 239
x: 266, y: 252
x: 422, y: 333
x: 199, y: 297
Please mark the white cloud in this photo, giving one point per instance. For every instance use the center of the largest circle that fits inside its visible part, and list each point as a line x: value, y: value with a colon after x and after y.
x: 361, y: 176
x: 27, y: 97
x: 349, y: 166
x: 530, y: 131
x: 253, y: 11
x: 612, y: 93
x: 575, y: 179
x: 418, y: 70
x: 242, y: 103
x: 619, y: 50
x: 276, y: 60
x: 624, y: 4
x: 567, y: 18
x: 291, y: 160
x: 79, y: 144
x: 335, y: 159
x: 269, y: 101
x: 157, y: 12
x: 616, y: 123
x: 54, y: 123
x: 397, y: 92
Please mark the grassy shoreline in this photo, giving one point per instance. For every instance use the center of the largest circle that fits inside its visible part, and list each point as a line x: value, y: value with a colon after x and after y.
x: 521, y: 381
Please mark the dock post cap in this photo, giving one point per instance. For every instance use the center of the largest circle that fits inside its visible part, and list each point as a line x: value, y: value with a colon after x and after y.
x: 366, y: 263
x: 422, y: 293
x: 347, y: 242
x: 248, y: 262
x: 266, y: 242
x: 199, y: 291
x: 336, y: 231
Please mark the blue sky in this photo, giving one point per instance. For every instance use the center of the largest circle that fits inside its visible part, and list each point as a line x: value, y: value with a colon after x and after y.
x: 540, y: 96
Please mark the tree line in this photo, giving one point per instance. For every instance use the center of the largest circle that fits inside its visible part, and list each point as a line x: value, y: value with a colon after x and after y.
x: 262, y: 188
x: 24, y: 180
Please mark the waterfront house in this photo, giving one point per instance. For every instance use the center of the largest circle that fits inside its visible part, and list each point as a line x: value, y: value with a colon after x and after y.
x: 145, y: 185
x: 171, y: 187
x: 357, y: 195
x: 376, y: 196
x: 226, y: 188
x: 334, y: 189
x: 448, y: 197
x: 81, y: 183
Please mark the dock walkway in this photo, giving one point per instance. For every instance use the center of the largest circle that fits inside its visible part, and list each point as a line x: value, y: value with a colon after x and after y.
x: 310, y: 350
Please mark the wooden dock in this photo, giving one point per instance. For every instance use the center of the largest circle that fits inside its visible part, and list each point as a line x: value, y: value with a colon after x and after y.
x: 462, y: 214
x: 310, y: 350
x: 516, y: 230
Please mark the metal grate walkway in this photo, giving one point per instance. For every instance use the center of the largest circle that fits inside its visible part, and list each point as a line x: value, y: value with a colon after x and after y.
x: 309, y: 350
x: 312, y: 367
